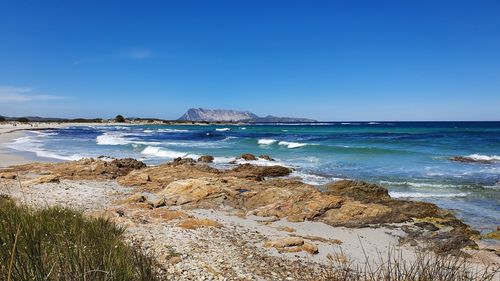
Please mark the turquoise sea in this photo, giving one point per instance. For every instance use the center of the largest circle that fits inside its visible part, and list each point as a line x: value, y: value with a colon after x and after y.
x: 410, y: 158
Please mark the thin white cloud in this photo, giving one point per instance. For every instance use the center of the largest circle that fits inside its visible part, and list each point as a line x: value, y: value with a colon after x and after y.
x: 22, y: 94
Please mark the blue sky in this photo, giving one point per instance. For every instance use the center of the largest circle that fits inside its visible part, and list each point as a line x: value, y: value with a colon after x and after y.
x: 328, y: 60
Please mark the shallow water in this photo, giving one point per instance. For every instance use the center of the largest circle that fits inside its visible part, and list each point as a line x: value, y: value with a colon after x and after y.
x: 410, y: 158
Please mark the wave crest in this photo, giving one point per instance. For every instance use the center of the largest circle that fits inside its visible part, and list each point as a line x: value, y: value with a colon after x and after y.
x: 266, y: 141
x: 165, y: 153
x: 292, y: 144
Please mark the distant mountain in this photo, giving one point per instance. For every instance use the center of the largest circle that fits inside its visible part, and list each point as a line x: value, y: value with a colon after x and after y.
x: 34, y: 118
x: 214, y: 115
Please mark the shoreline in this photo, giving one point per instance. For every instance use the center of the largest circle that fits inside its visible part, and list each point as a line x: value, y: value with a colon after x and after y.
x: 9, y: 157
x: 13, y: 130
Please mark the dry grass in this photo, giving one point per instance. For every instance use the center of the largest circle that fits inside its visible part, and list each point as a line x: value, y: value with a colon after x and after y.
x: 393, y: 267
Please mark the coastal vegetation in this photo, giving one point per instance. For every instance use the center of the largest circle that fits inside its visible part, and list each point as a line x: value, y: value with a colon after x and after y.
x: 22, y: 120
x: 61, y: 244
x: 120, y: 118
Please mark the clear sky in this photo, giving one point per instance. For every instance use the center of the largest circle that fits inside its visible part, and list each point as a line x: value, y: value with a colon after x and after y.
x: 328, y: 60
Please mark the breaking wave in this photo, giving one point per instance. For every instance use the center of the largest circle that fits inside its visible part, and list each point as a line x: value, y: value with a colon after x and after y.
x: 111, y: 139
x: 165, y: 153
x: 480, y: 157
x: 266, y: 141
x: 28, y: 144
x: 397, y: 194
x: 292, y: 144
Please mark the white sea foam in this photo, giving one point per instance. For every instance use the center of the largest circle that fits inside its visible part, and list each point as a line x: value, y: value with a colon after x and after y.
x: 165, y: 153
x: 480, y: 157
x: 418, y: 184
x: 373, y: 123
x: 292, y: 144
x: 261, y: 162
x: 243, y: 128
x: 172, y: 131
x: 266, y: 141
x: 398, y: 194
x: 223, y: 129
x: 149, y: 131
x: 30, y: 144
x: 224, y: 160
x: 310, y: 178
x: 111, y: 139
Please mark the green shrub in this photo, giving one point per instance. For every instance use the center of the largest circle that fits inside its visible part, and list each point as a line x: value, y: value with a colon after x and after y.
x: 61, y: 244
x: 119, y: 118
x: 2, y: 119
x: 22, y: 120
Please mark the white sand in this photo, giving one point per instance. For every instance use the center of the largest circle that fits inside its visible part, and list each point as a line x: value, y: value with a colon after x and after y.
x: 12, y: 130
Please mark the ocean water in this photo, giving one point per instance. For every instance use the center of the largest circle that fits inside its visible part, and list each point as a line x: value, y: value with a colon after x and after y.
x: 411, y: 159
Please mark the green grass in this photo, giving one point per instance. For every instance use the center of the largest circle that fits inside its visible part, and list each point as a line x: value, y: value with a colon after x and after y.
x: 62, y: 244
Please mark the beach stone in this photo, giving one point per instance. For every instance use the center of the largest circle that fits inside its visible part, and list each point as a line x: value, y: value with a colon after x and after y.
x: 284, y: 242
x: 183, y: 161
x: 259, y: 172
x: 248, y: 157
x: 310, y: 248
x: 266, y: 157
x: 9, y: 176
x: 206, y: 159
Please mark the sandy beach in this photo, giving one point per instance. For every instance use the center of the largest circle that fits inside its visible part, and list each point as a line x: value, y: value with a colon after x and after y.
x: 12, y: 130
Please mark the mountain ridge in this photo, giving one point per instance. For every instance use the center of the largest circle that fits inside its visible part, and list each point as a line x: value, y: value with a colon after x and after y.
x: 215, y: 115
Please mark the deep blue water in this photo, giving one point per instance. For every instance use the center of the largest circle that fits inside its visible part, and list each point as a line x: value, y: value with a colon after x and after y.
x: 410, y: 158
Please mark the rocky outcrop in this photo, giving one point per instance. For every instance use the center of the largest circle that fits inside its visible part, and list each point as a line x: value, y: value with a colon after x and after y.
x: 84, y: 169
x: 358, y: 190
x: 262, y: 190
